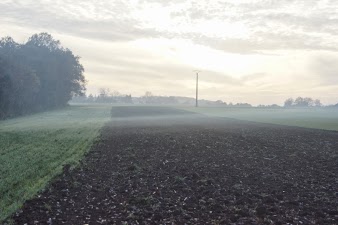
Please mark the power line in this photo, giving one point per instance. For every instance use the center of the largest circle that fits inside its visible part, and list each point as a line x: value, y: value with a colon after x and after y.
x: 197, y: 71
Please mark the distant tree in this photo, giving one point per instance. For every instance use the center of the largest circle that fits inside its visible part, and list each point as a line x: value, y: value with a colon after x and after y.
x: 104, y: 92
x: 148, y: 97
x: 288, y: 102
x: 148, y: 94
x: 309, y: 101
x: 242, y: 105
x: 274, y: 106
x: 303, y: 102
x: 90, y: 98
x: 317, y: 103
x: 269, y: 106
x: 104, y: 96
x: 128, y: 99
x: 115, y: 94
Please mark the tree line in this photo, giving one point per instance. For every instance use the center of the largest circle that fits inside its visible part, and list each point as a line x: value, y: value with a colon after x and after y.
x: 302, y: 102
x: 37, y: 75
x: 107, y: 96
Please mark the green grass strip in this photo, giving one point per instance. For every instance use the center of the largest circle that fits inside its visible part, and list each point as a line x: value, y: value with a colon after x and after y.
x: 33, y: 149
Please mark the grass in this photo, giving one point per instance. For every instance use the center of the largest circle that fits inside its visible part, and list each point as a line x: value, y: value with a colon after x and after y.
x: 34, y: 149
x: 318, y: 118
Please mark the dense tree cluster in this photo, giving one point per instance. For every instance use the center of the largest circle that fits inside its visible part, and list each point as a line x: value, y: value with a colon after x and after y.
x: 302, y: 102
x: 37, y: 75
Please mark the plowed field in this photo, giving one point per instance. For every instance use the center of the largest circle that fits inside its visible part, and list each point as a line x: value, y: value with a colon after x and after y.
x: 185, y: 168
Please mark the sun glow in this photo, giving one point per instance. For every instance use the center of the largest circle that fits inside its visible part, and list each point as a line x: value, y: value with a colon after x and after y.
x: 201, y: 57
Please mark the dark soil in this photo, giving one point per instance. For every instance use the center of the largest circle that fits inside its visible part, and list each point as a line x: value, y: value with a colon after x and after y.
x: 196, y: 170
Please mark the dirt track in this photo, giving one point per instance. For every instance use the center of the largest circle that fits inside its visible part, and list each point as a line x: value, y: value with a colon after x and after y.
x: 196, y: 170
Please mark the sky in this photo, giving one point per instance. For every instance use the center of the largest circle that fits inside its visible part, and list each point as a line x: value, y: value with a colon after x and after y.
x: 257, y: 51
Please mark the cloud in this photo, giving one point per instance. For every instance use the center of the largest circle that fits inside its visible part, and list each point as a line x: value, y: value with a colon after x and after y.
x: 104, y: 20
x: 325, y: 69
x: 263, y: 50
x: 242, y: 26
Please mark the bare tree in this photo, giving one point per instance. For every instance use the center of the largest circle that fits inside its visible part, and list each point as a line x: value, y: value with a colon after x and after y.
x: 104, y: 92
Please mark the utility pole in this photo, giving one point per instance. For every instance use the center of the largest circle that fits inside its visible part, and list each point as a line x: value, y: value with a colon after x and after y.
x: 196, y: 87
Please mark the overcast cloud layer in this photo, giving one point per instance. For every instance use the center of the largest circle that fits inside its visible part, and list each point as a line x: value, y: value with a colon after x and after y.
x: 261, y: 51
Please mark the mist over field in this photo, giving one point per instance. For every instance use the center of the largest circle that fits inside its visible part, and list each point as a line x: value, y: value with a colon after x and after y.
x: 168, y: 112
